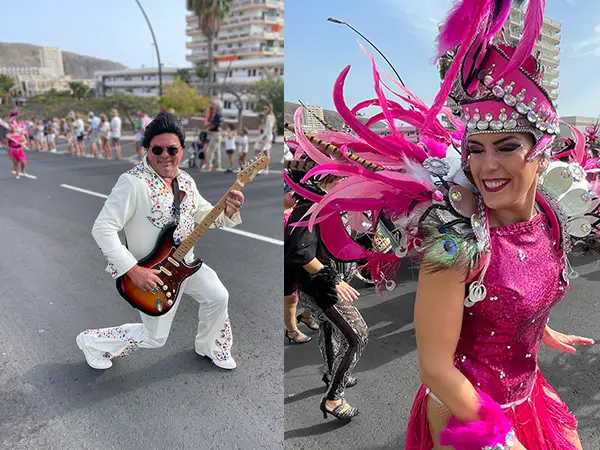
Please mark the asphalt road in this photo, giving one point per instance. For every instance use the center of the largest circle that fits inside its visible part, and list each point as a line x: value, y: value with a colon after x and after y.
x: 55, y: 286
x: 389, y: 379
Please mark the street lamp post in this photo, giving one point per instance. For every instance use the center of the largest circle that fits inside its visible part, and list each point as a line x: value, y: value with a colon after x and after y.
x: 160, y: 88
x: 331, y: 19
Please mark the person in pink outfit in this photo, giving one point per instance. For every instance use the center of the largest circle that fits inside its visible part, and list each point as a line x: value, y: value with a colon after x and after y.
x: 492, y: 228
x: 15, y: 141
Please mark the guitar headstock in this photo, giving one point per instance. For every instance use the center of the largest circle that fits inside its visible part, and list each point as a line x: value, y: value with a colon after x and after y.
x: 252, y: 167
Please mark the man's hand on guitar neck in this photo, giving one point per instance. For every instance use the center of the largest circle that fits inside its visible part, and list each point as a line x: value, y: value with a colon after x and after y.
x: 144, y: 278
x: 233, y: 202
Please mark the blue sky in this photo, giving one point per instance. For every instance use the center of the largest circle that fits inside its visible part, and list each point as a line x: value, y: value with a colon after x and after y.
x: 405, y: 30
x: 109, y: 29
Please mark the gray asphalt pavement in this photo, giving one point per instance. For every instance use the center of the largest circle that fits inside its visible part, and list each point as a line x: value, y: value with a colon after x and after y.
x: 389, y: 378
x: 55, y: 286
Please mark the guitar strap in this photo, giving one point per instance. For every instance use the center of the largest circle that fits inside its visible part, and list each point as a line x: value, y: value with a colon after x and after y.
x: 176, y: 200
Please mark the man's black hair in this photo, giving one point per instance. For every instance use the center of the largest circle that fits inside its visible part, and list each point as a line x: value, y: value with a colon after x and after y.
x: 164, y: 122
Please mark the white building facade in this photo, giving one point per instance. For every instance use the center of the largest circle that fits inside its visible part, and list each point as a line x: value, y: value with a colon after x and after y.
x: 248, y: 46
x: 547, y: 46
x: 52, y: 61
x: 32, y: 81
x: 143, y: 82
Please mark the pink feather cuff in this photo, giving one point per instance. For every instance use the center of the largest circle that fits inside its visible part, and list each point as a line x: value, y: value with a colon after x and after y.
x: 492, y: 432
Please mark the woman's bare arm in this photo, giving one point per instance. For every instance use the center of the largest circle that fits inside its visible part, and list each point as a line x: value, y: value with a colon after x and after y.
x: 438, y: 319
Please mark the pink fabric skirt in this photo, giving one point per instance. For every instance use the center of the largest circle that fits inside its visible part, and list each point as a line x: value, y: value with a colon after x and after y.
x: 542, y: 422
x: 17, y: 154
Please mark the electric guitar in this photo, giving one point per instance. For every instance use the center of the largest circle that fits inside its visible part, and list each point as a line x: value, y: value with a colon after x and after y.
x: 168, y: 257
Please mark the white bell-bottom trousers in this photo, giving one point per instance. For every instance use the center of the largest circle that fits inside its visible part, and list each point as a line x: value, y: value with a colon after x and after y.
x: 213, y: 339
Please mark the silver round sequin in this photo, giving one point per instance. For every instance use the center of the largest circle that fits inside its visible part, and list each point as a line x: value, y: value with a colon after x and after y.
x: 496, y: 125
x: 510, y: 99
x: 577, y: 171
x: 482, y: 125
x: 522, y: 108
x: 436, y: 166
x: 498, y: 91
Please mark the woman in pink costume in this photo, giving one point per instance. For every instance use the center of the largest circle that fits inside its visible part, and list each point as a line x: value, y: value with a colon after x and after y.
x: 493, y: 235
x: 16, y: 153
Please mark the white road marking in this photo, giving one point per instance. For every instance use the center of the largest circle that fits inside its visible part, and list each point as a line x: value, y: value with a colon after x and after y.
x: 26, y: 175
x: 258, y: 237
x: 83, y: 191
x: 247, y: 234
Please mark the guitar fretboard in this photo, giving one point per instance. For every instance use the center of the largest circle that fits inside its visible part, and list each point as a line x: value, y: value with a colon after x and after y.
x: 188, y: 243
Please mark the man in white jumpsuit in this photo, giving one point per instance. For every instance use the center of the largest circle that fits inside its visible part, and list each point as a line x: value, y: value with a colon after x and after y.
x: 141, y: 204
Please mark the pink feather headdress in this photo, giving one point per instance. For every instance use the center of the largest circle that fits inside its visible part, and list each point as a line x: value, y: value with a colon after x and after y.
x: 498, y: 86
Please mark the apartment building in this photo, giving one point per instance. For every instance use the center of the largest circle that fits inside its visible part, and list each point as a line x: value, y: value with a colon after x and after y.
x: 249, y: 44
x: 310, y: 119
x: 547, y: 48
x: 141, y: 82
x: 52, y: 61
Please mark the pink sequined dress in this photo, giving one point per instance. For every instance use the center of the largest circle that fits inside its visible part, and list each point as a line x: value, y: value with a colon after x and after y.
x: 15, y: 148
x: 500, y: 337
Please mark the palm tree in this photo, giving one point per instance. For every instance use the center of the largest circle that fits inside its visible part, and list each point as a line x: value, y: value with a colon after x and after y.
x: 445, y: 62
x: 184, y: 74
x: 211, y: 14
x: 80, y: 90
x: 7, y: 84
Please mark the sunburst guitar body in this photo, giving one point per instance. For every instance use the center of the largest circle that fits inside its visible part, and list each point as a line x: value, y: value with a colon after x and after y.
x: 169, y: 258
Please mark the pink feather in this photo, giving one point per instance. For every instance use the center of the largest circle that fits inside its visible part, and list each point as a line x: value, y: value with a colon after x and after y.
x: 305, y: 144
x: 503, y: 14
x: 534, y: 19
x: 579, y: 152
x: 454, y: 69
x: 435, y: 148
x: 364, y: 104
x: 359, y: 128
x: 490, y: 430
x: 383, y: 104
x: 309, y: 195
x: 458, y: 27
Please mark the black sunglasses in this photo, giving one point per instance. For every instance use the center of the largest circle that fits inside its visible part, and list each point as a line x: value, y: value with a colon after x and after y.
x: 172, y: 150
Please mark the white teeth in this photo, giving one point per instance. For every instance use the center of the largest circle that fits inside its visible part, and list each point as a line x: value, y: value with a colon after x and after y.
x: 494, y: 184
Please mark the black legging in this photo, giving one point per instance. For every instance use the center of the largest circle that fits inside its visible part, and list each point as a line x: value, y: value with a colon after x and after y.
x: 343, y: 335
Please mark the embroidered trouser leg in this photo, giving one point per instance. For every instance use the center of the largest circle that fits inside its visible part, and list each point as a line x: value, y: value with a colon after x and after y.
x: 343, y: 335
x: 212, y: 339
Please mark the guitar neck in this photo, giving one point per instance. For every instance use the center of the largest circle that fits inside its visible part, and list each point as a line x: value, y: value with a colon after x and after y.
x: 188, y: 243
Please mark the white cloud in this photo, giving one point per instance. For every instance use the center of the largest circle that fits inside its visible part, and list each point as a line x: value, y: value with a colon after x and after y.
x: 419, y: 17
x: 589, y: 46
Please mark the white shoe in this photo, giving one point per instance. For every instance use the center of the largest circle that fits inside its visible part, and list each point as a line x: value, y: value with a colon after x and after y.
x: 93, y: 361
x: 228, y: 364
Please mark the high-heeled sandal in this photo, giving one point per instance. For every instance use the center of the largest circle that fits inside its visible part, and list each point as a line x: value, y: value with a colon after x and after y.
x: 339, y: 412
x: 298, y: 338
x: 309, y: 322
x: 352, y: 381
